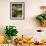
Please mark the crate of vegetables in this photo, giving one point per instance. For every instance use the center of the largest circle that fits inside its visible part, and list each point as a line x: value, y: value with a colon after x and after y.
x: 42, y: 19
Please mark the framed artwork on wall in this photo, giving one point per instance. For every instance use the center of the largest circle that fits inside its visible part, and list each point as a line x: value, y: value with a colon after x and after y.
x: 17, y: 10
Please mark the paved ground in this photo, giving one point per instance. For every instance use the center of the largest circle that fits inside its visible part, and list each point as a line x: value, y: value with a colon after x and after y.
x: 30, y: 45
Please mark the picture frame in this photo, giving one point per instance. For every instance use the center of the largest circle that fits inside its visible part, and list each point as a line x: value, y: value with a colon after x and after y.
x: 17, y: 10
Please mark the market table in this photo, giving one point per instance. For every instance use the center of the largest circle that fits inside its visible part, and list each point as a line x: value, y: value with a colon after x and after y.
x: 25, y: 44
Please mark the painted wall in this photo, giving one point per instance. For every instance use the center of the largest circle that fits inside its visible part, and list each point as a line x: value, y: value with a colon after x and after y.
x: 27, y: 26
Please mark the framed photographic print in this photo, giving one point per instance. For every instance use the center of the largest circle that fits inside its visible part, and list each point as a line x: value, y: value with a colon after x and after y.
x: 17, y: 10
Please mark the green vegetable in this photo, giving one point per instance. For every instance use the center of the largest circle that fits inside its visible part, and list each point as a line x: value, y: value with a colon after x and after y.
x: 11, y: 31
x: 40, y: 18
x: 45, y: 17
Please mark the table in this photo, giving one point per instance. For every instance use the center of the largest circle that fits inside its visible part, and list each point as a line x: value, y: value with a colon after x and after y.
x: 25, y: 44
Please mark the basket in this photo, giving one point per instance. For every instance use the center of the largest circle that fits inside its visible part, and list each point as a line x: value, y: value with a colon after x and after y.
x: 43, y: 23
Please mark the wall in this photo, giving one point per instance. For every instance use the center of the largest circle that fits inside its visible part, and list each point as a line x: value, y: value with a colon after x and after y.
x: 27, y: 26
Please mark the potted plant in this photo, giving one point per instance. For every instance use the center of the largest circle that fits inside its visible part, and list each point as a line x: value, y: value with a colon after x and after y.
x: 10, y: 31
